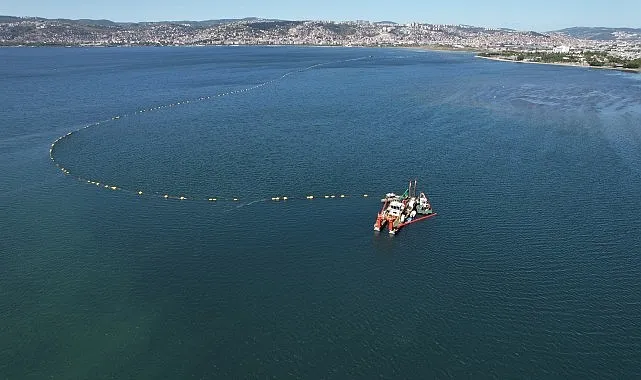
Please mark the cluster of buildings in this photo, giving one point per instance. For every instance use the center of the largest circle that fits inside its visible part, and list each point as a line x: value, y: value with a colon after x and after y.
x: 36, y: 31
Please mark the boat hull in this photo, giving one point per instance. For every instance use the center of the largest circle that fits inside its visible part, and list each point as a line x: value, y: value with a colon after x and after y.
x: 400, y: 211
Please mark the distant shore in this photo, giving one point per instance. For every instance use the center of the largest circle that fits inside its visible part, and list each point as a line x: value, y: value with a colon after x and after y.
x: 568, y: 64
x: 443, y: 48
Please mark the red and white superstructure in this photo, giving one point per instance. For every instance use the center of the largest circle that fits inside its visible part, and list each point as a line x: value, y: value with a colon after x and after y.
x: 401, y: 210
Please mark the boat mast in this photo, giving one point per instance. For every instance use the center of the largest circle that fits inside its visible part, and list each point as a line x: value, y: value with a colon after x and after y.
x: 412, y: 189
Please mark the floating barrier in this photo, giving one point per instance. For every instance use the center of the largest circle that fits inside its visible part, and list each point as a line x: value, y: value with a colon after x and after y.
x: 115, y: 118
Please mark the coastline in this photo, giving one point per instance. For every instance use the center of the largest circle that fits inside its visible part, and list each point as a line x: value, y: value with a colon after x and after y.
x: 632, y: 71
x: 438, y: 48
x: 434, y: 48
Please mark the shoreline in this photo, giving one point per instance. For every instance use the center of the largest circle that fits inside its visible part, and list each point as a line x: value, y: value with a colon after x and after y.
x: 499, y: 59
x: 434, y: 48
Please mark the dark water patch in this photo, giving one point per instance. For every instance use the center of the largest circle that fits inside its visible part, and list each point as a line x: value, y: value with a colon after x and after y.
x: 529, y: 270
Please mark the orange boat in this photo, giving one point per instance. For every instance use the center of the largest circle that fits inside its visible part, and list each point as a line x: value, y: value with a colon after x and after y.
x: 401, y: 210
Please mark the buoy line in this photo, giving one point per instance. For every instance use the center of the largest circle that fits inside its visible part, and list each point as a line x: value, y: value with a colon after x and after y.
x: 107, y: 185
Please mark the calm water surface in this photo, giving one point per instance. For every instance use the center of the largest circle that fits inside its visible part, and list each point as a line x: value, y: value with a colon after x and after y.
x: 531, y: 270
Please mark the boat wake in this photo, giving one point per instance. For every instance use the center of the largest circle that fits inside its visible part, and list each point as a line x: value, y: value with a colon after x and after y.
x: 241, y: 205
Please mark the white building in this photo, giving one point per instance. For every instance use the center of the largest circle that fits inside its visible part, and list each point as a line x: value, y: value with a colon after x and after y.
x: 561, y: 49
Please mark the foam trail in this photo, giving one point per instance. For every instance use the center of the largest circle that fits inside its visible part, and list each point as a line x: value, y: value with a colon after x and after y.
x: 247, y: 204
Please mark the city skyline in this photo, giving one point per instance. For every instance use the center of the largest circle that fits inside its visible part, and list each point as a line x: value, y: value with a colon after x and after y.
x: 545, y: 15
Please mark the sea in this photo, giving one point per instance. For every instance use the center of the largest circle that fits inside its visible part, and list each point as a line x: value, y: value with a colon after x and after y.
x: 531, y: 269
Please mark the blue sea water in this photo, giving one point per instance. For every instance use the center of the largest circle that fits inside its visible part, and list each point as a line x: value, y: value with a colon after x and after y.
x: 532, y: 268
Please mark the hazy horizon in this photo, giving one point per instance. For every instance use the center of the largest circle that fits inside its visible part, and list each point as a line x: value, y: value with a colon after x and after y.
x: 309, y: 19
x: 545, y: 15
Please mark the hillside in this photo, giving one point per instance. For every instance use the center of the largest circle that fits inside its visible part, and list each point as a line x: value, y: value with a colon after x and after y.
x: 36, y: 31
x: 603, y: 33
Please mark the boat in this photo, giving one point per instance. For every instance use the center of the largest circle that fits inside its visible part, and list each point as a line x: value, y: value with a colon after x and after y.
x: 400, y: 210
